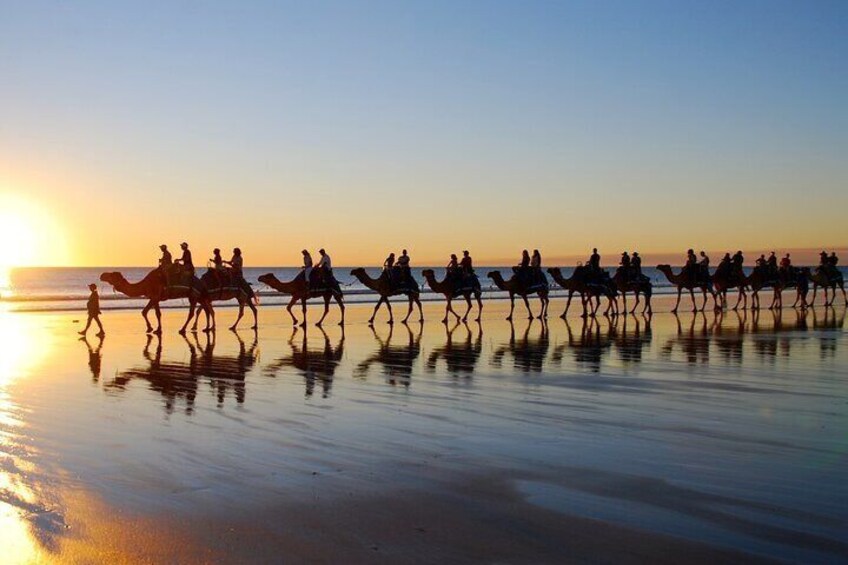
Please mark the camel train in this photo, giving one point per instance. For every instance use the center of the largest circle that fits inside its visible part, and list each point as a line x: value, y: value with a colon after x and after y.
x: 591, y: 283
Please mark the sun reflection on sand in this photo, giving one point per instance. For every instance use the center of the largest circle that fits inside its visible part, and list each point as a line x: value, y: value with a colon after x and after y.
x: 19, y: 503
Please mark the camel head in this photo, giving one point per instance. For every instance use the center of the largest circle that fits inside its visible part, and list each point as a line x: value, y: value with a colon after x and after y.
x: 664, y: 268
x: 358, y: 272
x: 267, y: 278
x: 114, y: 278
x: 428, y: 273
x: 495, y: 275
x: 555, y: 272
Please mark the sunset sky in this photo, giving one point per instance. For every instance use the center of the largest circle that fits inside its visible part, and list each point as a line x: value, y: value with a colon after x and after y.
x: 365, y: 127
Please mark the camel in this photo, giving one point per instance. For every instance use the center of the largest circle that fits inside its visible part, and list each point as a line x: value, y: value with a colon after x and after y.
x: 317, y: 366
x: 215, y: 290
x: 460, y: 356
x: 448, y: 289
x: 725, y: 280
x: 153, y: 288
x: 576, y: 284
x: 514, y: 286
x: 396, y: 360
x: 386, y: 288
x: 298, y: 291
x: 681, y: 281
x: 820, y: 279
x: 757, y: 281
x: 637, y: 286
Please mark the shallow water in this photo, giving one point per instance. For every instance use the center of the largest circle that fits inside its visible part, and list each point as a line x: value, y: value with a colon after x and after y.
x: 723, y: 432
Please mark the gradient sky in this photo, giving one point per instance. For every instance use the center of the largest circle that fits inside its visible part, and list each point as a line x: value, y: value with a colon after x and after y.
x: 365, y: 127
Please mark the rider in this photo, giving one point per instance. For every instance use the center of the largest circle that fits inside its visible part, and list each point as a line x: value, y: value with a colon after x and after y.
x: 325, y: 266
x: 452, y: 270
x: 403, y: 266
x: 166, y: 264
x: 761, y: 264
x: 536, y: 266
x: 626, y: 265
x: 466, y: 264
x: 524, y: 267
x: 236, y: 264
x: 824, y: 262
x: 833, y: 261
x: 307, y: 266
x: 388, y: 266
x: 595, y: 261
x: 704, y: 266
x: 636, y: 263
x: 217, y: 265
x: 691, y: 265
x: 724, y: 266
x: 771, y: 263
x: 185, y: 260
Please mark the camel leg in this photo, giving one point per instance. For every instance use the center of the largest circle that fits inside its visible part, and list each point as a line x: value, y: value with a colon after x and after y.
x: 340, y: 302
x: 527, y: 305
x: 158, y: 312
x: 289, y: 309
x: 210, y: 313
x: 511, y: 306
x: 376, y: 308
x: 468, y: 309
x: 692, y: 296
x: 303, y: 309
x: 392, y: 315
x: 738, y: 299
x: 624, y: 299
x: 420, y: 310
x: 813, y: 299
x: 648, y: 308
x: 479, y: 307
x: 144, y: 312
x: 447, y: 308
x: 196, y: 317
x: 636, y: 305
x: 546, y: 304
x: 774, y: 299
x: 844, y: 296
x: 255, y: 315
x: 188, y: 319
x: 677, y: 304
x: 567, y: 304
x: 410, y: 304
x: 240, y: 314
x: 704, y: 305
x: 326, y: 309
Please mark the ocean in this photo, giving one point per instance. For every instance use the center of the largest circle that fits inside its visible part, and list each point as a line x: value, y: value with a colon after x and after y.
x: 65, y: 288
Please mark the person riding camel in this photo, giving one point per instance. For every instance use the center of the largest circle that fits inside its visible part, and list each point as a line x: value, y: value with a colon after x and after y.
x: 218, y: 266
x: 307, y: 267
x: 784, y: 270
x: 452, y: 271
x: 761, y: 265
x: 771, y: 265
x: 236, y: 265
x: 832, y: 262
x: 403, y: 266
x: 523, y: 268
x: 704, y: 266
x: 725, y: 266
x: 691, y: 267
x: 166, y: 263
x: 325, y: 267
x: 738, y: 262
x: 467, y: 265
x: 626, y: 266
x: 536, y: 267
x: 636, y: 264
x: 389, y: 267
x: 185, y: 260
x: 595, y: 262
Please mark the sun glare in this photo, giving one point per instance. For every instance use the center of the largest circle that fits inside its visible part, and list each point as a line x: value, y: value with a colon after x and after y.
x: 28, y: 235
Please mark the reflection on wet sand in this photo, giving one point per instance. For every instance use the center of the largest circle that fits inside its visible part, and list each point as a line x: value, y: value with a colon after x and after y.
x: 178, y: 381
x: 460, y: 355
x: 588, y: 349
x: 529, y: 352
x: 95, y: 356
x: 396, y: 359
x: 315, y: 365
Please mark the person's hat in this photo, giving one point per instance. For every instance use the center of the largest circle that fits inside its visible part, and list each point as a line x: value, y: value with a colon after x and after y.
x: 216, y: 250
x: 184, y: 244
x: 92, y: 286
x: 237, y: 251
x: 163, y: 246
x: 321, y: 250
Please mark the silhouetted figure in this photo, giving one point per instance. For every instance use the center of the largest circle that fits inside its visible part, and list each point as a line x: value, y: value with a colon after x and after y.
x: 166, y: 264
x: 325, y: 267
x: 626, y: 265
x: 218, y: 266
x: 704, y: 266
x: 467, y: 265
x: 637, y: 265
x: 771, y: 265
x: 595, y: 262
x: 403, y: 266
x: 236, y: 265
x: 93, y: 308
x: 389, y: 267
x: 536, y: 267
x: 185, y: 260
x: 95, y: 357
x: 523, y: 268
x: 452, y: 271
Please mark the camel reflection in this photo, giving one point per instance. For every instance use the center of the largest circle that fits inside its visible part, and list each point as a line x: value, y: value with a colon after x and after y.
x: 694, y: 342
x: 396, y: 360
x: 460, y: 356
x: 95, y: 357
x: 315, y: 365
x: 632, y: 337
x: 823, y: 325
x: 528, y: 353
x: 589, y: 348
x: 178, y: 381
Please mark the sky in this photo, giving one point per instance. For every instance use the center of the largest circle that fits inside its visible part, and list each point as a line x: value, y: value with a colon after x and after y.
x: 367, y: 127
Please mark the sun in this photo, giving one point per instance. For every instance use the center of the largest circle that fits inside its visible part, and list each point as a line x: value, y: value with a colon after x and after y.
x: 28, y: 234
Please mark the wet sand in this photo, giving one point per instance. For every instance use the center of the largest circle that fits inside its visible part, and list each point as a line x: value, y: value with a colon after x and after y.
x: 676, y: 439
